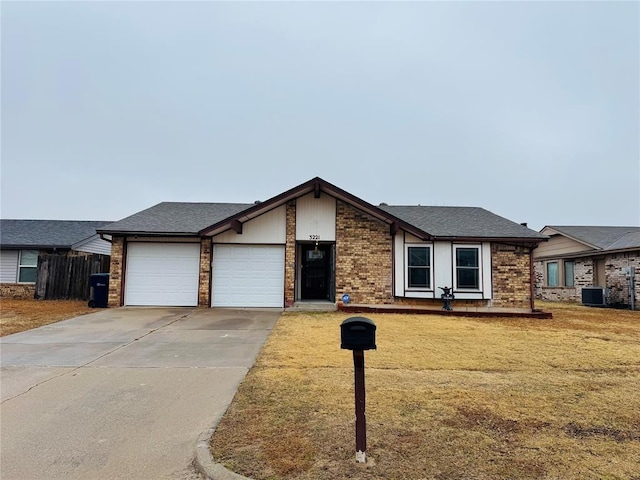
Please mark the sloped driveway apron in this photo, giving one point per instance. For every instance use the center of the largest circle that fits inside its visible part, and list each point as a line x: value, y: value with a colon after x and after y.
x: 122, y: 393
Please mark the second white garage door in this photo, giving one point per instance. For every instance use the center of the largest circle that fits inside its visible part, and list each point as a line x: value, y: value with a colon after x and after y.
x: 248, y: 276
x: 163, y: 274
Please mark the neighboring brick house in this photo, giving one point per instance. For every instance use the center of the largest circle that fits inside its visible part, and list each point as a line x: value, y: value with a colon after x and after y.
x: 21, y: 241
x: 582, y: 256
x: 317, y: 242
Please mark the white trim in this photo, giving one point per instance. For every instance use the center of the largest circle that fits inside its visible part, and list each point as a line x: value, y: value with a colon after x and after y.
x: 20, y: 265
x: 454, y: 262
x: 408, y: 288
x: 398, y: 264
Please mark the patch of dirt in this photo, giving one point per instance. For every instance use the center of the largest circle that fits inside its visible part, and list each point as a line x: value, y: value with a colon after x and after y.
x: 578, y: 431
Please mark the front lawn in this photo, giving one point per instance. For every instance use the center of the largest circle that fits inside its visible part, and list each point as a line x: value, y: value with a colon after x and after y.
x: 17, y: 315
x: 446, y: 398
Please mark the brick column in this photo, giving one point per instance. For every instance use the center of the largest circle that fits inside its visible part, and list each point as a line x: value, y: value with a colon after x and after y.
x: 364, y: 259
x: 204, y: 283
x: 511, y: 278
x: 290, y: 256
x: 116, y: 271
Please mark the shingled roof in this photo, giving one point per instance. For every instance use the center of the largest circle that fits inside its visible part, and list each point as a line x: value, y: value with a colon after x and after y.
x: 46, y: 233
x: 457, y: 222
x: 176, y: 218
x: 602, y: 237
x: 172, y: 218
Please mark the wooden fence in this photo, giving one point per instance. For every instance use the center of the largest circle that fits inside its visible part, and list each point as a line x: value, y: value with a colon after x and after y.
x: 65, y: 277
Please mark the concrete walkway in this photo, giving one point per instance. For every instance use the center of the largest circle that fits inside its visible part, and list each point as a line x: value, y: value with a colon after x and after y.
x: 123, y: 393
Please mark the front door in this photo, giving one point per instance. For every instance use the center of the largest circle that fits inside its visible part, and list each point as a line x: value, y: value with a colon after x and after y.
x: 316, y: 272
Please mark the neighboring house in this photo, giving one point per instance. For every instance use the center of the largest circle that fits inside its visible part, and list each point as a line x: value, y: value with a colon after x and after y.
x: 317, y: 242
x: 580, y: 256
x: 21, y: 241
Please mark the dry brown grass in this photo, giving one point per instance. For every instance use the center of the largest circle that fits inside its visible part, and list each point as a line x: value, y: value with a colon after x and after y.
x: 17, y: 315
x: 446, y: 398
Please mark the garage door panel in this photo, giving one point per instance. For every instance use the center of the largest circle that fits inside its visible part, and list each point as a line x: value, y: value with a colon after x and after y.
x: 248, y: 276
x: 162, y: 274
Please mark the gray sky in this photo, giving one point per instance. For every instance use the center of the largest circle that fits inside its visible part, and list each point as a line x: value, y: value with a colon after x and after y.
x: 530, y: 110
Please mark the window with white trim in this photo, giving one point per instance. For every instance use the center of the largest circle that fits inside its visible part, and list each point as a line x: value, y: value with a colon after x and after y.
x: 467, y: 267
x: 27, y: 266
x: 419, y: 267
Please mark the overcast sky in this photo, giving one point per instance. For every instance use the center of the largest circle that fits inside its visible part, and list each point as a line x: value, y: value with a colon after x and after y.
x: 528, y: 109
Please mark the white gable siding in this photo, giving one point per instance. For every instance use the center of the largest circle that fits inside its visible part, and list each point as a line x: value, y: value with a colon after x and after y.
x: 268, y: 228
x: 442, y: 267
x: 93, y: 244
x: 8, y: 266
x: 316, y: 216
x: 398, y: 264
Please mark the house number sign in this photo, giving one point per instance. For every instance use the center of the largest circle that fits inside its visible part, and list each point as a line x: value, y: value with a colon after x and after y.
x: 314, y: 237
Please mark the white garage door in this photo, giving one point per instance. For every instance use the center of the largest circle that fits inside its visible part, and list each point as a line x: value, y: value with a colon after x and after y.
x: 247, y: 276
x: 163, y: 274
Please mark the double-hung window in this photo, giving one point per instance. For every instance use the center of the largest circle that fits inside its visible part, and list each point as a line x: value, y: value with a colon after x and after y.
x: 467, y: 267
x: 419, y: 267
x: 27, y: 266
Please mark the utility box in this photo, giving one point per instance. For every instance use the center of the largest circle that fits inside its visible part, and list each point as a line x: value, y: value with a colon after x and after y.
x: 358, y: 333
x: 99, y: 290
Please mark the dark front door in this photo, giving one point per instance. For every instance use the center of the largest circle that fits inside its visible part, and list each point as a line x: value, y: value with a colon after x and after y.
x: 316, y: 272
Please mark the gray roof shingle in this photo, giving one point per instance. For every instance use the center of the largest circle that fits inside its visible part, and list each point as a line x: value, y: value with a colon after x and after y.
x: 473, y: 222
x: 46, y: 233
x: 605, y: 238
x: 190, y: 218
x: 176, y: 218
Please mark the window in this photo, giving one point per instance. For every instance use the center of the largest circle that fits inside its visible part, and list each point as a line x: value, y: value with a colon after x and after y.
x: 568, y: 274
x: 27, y: 266
x: 552, y: 274
x: 467, y: 268
x: 419, y: 267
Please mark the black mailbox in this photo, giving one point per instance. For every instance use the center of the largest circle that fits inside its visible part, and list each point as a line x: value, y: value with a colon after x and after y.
x: 358, y: 333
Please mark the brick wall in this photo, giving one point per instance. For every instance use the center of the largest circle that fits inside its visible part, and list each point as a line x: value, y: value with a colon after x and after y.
x: 290, y: 256
x: 204, y: 282
x: 363, y: 257
x: 617, y: 282
x: 17, y: 290
x: 511, y: 279
x: 115, y: 279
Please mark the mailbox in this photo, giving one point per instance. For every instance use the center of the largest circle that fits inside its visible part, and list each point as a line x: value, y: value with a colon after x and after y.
x: 358, y: 333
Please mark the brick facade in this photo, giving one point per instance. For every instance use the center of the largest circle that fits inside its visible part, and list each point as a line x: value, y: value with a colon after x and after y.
x: 204, y: 282
x: 116, y: 271
x: 616, y: 281
x: 17, y: 290
x: 363, y: 257
x: 363, y: 266
x: 290, y: 256
x: 510, y: 270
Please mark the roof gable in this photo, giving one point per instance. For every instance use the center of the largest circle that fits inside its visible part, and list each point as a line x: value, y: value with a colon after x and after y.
x: 599, y: 237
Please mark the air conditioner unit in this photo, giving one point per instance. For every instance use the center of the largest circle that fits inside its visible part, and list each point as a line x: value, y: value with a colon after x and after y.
x: 594, y: 296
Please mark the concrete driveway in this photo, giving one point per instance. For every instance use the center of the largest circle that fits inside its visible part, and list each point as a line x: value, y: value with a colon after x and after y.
x: 121, y: 393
